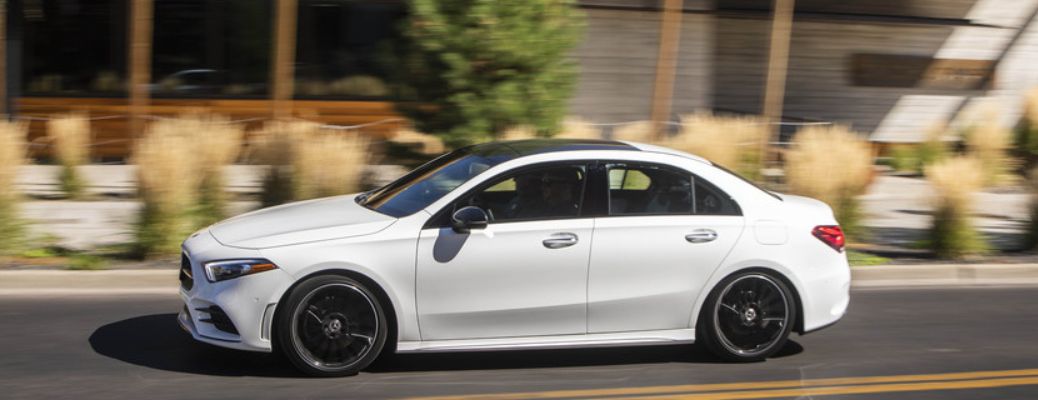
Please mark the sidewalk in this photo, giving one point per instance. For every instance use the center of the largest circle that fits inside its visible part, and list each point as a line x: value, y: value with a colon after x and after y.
x: 164, y: 281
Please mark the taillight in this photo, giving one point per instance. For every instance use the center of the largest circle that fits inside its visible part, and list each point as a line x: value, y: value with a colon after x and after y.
x: 832, y: 235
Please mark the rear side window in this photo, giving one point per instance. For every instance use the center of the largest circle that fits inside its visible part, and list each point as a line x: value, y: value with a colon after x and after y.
x: 643, y: 190
x: 657, y: 190
x: 710, y: 200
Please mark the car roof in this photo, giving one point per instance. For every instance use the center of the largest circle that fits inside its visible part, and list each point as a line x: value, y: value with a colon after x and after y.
x: 512, y: 149
x: 526, y: 147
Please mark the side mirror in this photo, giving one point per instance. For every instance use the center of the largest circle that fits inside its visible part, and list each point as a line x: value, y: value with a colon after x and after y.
x: 468, y: 218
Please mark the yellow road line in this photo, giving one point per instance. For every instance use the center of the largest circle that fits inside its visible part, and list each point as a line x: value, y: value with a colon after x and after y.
x: 795, y: 384
x: 866, y: 389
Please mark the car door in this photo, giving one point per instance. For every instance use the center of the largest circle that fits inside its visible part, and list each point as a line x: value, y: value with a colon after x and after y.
x: 665, y: 233
x: 525, y: 274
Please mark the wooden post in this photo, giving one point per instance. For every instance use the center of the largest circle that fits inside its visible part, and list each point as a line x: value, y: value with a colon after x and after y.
x: 3, y: 58
x: 778, y: 62
x: 283, y: 74
x: 141, y: 15
x: 666, y: 62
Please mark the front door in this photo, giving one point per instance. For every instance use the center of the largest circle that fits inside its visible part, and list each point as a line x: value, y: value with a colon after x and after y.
x: 525, y: 274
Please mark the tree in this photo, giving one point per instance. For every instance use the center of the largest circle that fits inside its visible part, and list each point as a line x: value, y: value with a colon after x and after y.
x: 472, y: 68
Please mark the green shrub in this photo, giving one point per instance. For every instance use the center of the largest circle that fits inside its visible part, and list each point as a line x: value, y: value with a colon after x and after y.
x: 1031, y: 234
x: 86, y: 262
x: 905, y: 157
x: 470, y: 69
x: 933, y: 149
x: 1026, y: 134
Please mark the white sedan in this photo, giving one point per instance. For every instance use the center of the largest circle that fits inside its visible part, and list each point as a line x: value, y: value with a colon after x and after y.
x: 521, y: 245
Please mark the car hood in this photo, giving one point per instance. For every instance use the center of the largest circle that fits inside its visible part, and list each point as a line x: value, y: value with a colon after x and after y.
x: 307, y: 221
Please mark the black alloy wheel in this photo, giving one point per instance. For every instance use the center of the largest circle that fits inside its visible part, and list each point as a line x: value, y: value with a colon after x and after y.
x: 747, y: 317
x: 331, y: 326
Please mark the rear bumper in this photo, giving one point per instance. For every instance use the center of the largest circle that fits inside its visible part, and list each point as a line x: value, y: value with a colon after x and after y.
x: 826, y: 295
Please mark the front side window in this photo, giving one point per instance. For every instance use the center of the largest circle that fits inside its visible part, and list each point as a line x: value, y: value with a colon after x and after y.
x: 554, y: 192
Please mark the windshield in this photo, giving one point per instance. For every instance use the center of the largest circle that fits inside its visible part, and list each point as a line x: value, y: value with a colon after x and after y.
x: 431, y: 181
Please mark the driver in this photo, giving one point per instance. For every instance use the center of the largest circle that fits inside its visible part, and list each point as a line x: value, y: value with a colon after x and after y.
x: 557, y: 195
x: 528, y: 194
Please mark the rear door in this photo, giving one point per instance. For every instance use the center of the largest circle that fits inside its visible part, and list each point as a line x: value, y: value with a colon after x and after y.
x: 664, y: 234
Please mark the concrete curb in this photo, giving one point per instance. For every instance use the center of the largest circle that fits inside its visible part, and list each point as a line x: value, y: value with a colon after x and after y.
x: 126, y: 281
x: 945, y: 275
x: 138, y: 281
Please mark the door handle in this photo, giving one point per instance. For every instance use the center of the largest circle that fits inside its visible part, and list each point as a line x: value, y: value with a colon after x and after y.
x: 560, y: 240
x: 701, y: 236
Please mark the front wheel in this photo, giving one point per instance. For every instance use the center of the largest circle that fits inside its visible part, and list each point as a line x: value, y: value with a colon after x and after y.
x: 747, y: 317
x: 331, y: 326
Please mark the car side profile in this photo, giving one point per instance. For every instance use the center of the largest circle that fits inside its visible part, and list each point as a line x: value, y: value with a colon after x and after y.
x: 520, y: 245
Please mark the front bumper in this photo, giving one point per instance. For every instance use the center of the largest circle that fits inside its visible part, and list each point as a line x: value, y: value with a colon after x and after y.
x: 236, y: 313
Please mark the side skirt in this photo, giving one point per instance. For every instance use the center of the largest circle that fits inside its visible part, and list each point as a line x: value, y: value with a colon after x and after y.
x: 642, y: 338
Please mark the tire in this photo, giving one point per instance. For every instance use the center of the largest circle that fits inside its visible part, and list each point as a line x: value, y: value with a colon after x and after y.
x: 331, y: 325
x: 747, y: 317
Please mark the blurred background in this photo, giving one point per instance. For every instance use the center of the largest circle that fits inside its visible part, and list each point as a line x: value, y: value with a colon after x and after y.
x: 132, y: 123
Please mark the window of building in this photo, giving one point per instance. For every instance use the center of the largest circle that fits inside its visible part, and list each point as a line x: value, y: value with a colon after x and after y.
x: 343, y: 48
x: 205, y: 48
x: 73, y: 47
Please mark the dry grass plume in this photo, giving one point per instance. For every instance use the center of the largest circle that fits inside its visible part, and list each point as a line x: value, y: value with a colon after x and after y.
x: 988, y: 141
x: 306, y: 161
x: 331, y: 163
x: 638, y: 131
x: 733, y: 142
x: 832, y: 164
x: 70, y: 136
x: 578, y: 128
x: 12, y: 157
x: 168, y: 180
x: 955, y: 182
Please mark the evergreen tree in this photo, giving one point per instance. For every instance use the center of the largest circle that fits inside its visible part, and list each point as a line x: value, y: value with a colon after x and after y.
x: 472, y: 68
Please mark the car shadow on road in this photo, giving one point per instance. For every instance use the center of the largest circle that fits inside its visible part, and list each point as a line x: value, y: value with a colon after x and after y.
x: 156, y: 341
x: 486, y: 360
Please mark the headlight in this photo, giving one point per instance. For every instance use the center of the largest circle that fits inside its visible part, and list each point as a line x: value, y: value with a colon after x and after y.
x: 229, y: 269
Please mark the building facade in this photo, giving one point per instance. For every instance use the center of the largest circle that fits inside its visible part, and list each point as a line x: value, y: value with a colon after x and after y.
x: 888, y: 68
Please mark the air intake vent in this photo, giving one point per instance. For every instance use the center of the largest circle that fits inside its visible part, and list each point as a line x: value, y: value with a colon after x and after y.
x: 219, y: 319
x: 187, y: 281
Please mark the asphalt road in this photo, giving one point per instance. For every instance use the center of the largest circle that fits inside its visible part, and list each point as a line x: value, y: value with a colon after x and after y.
x: 970, y: 343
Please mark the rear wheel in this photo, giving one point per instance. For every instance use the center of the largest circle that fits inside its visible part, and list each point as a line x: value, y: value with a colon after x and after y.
x: 331, y: 326
x: 747, y: 317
